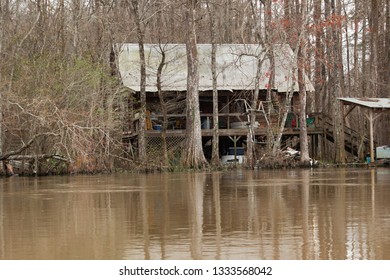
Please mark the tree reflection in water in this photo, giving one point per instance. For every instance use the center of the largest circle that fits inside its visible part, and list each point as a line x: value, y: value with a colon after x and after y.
x: 264, y: 214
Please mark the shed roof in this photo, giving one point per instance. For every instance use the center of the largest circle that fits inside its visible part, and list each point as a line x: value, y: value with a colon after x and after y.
x: 372, y: 103
x: 236, y: 67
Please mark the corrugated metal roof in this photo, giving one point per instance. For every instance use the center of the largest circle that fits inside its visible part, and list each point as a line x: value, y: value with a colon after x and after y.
x: 236, y: 67
x: 373, y: 103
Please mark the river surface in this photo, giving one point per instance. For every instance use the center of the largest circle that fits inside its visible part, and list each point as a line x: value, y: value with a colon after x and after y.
x: 263, y: 214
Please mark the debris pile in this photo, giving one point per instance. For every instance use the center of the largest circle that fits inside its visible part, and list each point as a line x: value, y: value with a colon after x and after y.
x: 286, y: 158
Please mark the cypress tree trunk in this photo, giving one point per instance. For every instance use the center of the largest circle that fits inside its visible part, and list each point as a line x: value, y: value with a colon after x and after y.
x: 193, y: 156
x: 302, y: 58
x: 319, y: 57
x: 2, y: 21
x: 336, y: 81
x: 215, y: 161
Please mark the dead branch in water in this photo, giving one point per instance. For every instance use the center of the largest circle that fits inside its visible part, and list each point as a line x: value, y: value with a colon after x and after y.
x: 24, y: 146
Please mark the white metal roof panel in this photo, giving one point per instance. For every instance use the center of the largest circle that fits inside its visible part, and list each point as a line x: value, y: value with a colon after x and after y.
x: 373, y: 103
x: 236, y: 67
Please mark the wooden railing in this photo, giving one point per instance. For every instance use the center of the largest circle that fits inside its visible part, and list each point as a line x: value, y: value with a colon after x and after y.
x: 352, y: 138
x: 227, y: 121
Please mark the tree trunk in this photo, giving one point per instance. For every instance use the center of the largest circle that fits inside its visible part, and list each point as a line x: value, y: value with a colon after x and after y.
x: 319, y: 56
x: 215, y: 161
x: 277, y: 140
x: 385, y: 70
x: 348, y: 55
x: 363, y: 90
x: 3, y: 8
x: 163, y: 104
x: 304, y: 143
x: 374, y: 37
x: 142, y: 119
x: 61, y: 37
x: 250, y: 139
x: 270, y: 98
x: 76, y: 14
x: 336, y: 82
x: 302, y: 58
x: 355, y: 53
x: 386, y: 60
x: 193, y: 156
x: 163, y: 108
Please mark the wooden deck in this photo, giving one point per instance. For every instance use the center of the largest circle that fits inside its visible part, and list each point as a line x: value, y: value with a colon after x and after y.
x: 227, y: 119
x: 227, y: 128
x: 320, y: 131
x: 230, y: 132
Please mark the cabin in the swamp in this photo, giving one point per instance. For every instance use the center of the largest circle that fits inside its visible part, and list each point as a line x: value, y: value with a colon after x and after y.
x: 236, y: 68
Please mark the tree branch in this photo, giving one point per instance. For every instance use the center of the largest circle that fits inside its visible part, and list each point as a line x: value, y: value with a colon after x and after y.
x: 24, y: 146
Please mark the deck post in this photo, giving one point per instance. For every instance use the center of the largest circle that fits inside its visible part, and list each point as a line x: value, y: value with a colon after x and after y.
x: 228, y: 111
x: 371, y: 120
x: 324, y: 147
x: 235, y: 139
x: 371, y: 117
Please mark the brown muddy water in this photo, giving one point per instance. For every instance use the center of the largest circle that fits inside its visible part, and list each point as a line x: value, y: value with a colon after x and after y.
x: 264, y: 214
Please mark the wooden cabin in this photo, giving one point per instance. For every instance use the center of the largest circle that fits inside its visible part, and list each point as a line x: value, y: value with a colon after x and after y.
x: 237, y: 66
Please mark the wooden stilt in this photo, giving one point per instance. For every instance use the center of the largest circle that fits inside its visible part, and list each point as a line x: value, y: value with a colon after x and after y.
x: 371, y: 118
x: 371, y: 121
x: 235, y: 139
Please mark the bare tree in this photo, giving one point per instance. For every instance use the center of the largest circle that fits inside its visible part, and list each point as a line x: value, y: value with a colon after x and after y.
x: 2, y: 21
x: 335, y: 72
x: 302, y: 58
x: 318, y: 57
x: 163, y: 107
x: 215, y: 161
x: 62, y: 36
x: 135, y: 11
x: 250, y: 151
x: 193, y: 157
x: 374, y: 38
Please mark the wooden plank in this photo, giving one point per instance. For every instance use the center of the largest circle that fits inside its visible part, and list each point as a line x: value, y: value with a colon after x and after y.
x: 206, y: 115
x: 349, y: 111
x: 229, y: 132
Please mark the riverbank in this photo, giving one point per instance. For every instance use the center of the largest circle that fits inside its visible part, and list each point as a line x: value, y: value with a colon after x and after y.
x: 265, y: 165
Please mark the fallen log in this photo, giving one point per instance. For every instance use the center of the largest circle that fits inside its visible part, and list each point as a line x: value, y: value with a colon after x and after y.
x: 37, y: 157
x: 18, y: 151
x: 29, y: 163
x: 24, y: 146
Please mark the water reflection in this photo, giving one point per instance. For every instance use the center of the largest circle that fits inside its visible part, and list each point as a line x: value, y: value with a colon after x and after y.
x: 215, y: 177
x: 284, y: 214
